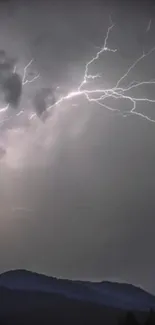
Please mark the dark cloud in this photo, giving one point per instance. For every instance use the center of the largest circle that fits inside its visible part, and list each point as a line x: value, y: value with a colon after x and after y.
x: 11, y: 83
x: 2, y: 152
x: 40, y: 101
x: 13, y: 89
x: 77, y: 192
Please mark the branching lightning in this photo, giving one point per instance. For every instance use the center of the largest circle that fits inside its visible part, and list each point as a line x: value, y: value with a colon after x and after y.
x: 24, y: 79
x: 116, y: 92
x: 99, y: 95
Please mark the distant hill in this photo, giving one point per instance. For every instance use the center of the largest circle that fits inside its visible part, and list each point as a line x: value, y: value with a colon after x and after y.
x: 108, y: 294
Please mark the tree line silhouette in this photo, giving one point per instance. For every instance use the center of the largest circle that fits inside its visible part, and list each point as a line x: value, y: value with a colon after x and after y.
x: 131, y: 319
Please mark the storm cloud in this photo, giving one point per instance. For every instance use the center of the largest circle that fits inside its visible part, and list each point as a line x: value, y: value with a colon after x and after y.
x: 10, y: 81
x: 40, y: 101
x: 13, y: 89
x: 77, y: 192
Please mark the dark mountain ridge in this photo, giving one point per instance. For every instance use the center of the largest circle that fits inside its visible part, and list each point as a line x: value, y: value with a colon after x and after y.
x: 110, y: 294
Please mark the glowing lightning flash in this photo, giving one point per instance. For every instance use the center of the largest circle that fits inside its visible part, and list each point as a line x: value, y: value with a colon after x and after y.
x: 24, y: 80
x: 149, y: 26
x: 4, y: 109
x: 116, y: 92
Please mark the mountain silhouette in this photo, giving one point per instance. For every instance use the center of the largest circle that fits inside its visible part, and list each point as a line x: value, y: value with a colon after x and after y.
x: 109, y: 294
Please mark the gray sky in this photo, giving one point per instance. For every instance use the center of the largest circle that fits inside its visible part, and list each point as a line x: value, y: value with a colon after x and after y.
x: 77, y: 193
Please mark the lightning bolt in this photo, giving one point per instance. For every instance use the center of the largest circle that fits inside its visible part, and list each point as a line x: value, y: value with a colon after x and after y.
x: 4, y: 109
x: 25, y: 81
x: 99, y: 95
x: 149, y: 26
